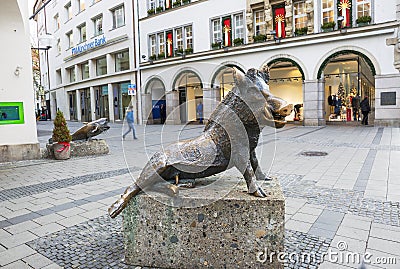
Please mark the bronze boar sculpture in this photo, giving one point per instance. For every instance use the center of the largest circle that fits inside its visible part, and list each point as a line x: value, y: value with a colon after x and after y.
x: 91, y: 129
x: 229, y: 139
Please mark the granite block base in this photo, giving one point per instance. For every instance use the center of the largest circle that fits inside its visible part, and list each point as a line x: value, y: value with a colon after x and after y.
x: 233, y: 231
x: 80, y: 148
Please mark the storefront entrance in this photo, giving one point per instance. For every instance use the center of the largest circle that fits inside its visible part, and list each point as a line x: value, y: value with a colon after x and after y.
x: 348, y: 79
x: 286, y: 82
x: 121, y: 100
x: 85, y: 106
x: 72, y: 106
x: 102, y: 110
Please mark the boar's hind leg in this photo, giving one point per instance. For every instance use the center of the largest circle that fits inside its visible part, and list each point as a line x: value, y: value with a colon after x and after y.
x: 257, y: 168
x: 250, y: 178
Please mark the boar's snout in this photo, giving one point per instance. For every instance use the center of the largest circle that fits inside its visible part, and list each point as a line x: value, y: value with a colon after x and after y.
x: 285, y: 110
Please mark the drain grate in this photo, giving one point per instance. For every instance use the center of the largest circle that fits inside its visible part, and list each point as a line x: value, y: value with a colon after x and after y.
x: 313, y: 153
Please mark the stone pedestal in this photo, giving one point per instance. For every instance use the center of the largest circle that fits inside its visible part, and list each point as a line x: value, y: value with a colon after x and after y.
x: 81, y: 148
x: 231, y: 231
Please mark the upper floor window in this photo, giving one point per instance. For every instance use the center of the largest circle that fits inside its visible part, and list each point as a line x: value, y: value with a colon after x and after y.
x: 85, y: 70
x: 118, y: 17
x: 70, y: 37
x: 82, y: 33
x: 327, y: 11
x: 71, y: 74
x: 57, y: 22
x: 188, y: 39
x: 122, y: 61
x: 259, y: 21
x: 59, y: 46
x: 161, y: 44
x: 299, y: 14
x: 68, y: 10
x: 101, y: 66
x: 363, y: 8
x: 81, y: 4
x: 153, y: 44
x: 152, y: 4
x: 238, y: 26
x: 98, y: 25
x: 216, y: 30
x: 179, y: 39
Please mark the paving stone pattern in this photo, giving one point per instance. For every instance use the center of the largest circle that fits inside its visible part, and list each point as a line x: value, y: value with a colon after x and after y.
x: 59, y: 184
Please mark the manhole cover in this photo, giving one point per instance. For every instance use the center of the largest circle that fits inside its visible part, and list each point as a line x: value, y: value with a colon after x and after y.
x: 314, y: 153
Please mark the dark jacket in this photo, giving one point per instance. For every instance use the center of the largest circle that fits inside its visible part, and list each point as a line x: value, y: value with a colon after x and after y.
x: 364, y: 105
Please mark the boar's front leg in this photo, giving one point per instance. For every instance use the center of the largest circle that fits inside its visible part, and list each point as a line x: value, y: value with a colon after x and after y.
x: 250, y: 178
x: 257, y: 168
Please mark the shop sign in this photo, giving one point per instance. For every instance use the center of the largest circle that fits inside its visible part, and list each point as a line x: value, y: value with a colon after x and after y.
x: 132, y: 89
x: 11, y: 113
x: 388, y: 98
x: 89, y: 45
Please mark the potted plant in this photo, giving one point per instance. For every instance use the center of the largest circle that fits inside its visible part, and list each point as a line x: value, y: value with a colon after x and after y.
x: 151, y: 11
x: 328, y: 26
x: 153, y: 57
x: 363, y: 20
x: 186, y: 2
x: 61, y: 138
x: 159, y: 9
x: 238, y: 41
x: 215, y: 46
x: 188, y: 50
x: 177, y: 3
x: 259, y: 38
x: 300, y: 31
x: 161, y: 55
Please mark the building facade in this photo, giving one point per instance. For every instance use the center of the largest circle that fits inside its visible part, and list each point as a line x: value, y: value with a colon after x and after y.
x: 18, y: 139
x: 317, y: 51
x: 324, y: 56
x: 90, y: 71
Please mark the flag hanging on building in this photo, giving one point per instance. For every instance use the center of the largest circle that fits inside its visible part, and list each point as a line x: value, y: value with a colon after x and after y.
x: 170, y: 45
x: 168, y: 4
x: 279, y: 17
x: 227, y: 33
x: 344, y: 7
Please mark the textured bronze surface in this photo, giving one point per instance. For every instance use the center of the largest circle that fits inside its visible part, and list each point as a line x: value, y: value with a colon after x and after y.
x: 229, y: 139
x: 91, y: 129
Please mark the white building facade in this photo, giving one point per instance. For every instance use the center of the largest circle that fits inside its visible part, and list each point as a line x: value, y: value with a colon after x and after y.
x: 18, y: 139
x: 90, y: 71
x: 316, y: 49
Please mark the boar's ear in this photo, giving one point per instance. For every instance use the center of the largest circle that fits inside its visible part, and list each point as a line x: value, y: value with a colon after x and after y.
x: 240, y: 78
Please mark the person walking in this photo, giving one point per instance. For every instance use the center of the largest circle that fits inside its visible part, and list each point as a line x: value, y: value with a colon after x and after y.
x: 365, y: 109
x: 130, y: 120
x: 199, y: 111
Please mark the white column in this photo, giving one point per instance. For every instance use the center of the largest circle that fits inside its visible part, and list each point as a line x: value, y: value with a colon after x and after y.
x: 92, y: 68
x: 211, y: 98
x: 78, y: 105
x: 173, y: 110
x: 314, y: 100
x: 78, y: 73
x: 111, y: 102
x: 110, y: 64
x: 92, y: 103
x: 147, y: 108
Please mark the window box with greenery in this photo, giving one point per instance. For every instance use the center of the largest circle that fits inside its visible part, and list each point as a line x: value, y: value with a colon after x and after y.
x: 161, y: 56
x: 300, y: 31
x: 259, y: 38
x: 186, y: 2
x: 159, y: 9
x: 328, y: 26
x: 61, y: 138
x: 216, y: 46
x: 177, y: 3
x: 238, y: 42
x: 363, y: 20
x: 151, y: 11
x: 153, y: 57
x: 189, y: 51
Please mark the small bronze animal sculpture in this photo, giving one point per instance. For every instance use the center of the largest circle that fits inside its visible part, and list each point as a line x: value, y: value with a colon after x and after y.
x: 229, y: 139
x: 91, y: 129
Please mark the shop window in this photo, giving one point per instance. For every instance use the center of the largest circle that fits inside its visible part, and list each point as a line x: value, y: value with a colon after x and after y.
x: 85, y: 70
x: 327, y: 11
x: 68, y: 11
x: 122, y: 61
x: 81, y: 4
x: 98, y: 25
x: 101, y: 66
x: 299, y: 14
x: 70, y: 37
x: 259, y: 21
x: 82, y: 33
x: 118, y: 17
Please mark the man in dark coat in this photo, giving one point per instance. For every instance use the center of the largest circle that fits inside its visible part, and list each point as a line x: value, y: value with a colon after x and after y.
x: 365, y: 109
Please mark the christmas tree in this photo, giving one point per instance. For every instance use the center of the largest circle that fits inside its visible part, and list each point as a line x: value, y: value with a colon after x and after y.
x: 340, y: 93
x: 61, y: 131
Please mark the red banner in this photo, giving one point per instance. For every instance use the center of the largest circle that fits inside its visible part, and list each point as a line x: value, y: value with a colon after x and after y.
x: 279, y: 18
x: 344, y: 7
x: 227, y: 31
x: 170, y: 45
x: 168, y: 4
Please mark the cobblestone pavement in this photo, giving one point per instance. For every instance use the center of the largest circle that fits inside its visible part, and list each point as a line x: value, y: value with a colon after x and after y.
x: 343, y: 201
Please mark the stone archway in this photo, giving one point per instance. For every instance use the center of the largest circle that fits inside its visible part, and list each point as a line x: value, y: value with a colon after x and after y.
x: 286, y: 81
x: 347, y: 76
x: 154, y: 101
